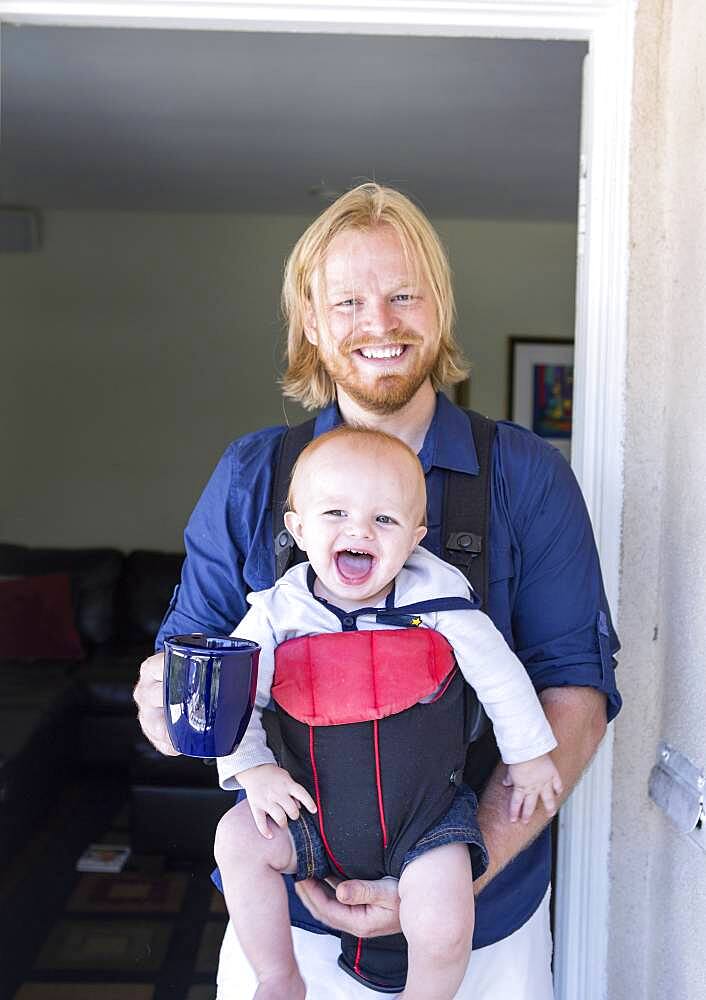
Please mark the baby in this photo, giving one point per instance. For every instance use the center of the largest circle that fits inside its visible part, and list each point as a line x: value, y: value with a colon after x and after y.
x: 361, y: 652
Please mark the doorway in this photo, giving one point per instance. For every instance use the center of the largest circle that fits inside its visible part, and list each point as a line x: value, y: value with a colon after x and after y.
x: 582, y: 891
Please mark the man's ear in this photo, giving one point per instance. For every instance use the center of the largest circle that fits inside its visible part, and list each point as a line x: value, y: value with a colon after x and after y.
x: 311, y: 326
x: 293, y: 524
x: 419, y: 534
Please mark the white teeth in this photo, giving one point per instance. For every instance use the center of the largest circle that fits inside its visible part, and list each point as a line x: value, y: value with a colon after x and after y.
x: 382, y: 352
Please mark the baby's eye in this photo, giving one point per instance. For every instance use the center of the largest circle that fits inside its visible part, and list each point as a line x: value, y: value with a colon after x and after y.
x: 403, y: 297
x: 385, y: 519
x: 334, y: 513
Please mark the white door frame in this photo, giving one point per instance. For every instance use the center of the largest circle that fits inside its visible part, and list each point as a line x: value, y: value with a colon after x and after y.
x: 582, y: 889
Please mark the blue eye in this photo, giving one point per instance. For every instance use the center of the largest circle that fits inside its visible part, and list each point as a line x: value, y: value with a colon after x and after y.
x: 334, y: 513
x: 385, y: 519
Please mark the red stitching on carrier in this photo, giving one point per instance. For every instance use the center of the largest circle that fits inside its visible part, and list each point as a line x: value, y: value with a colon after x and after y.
x: 444, y: 686
x: 378, y: 782
x: 356, y: 963
x: 318, y: 802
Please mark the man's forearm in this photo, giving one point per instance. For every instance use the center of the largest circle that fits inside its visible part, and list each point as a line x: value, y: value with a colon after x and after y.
x: 578, y: 717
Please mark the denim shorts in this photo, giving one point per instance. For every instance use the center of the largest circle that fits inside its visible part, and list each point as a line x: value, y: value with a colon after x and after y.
x: 458, y: 826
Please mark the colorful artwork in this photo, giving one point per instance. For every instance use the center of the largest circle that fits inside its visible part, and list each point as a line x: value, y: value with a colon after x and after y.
x: 540, y: 390
x: 552, y: 399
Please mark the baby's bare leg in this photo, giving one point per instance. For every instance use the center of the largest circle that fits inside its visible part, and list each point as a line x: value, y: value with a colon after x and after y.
x: 256, y: 897
x: 437, y: 915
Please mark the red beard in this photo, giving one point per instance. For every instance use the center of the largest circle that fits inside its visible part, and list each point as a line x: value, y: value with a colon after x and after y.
x: 386, y: 393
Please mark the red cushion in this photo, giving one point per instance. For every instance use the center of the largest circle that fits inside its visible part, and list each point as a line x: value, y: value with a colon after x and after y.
x: 343, y: 677
x: 37, y: 619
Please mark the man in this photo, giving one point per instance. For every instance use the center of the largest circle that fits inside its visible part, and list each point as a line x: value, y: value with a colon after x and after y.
x: 369, y: 302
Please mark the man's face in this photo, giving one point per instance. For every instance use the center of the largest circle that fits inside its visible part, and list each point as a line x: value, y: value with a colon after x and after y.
x: 357, y: 516
x: 374, y: 323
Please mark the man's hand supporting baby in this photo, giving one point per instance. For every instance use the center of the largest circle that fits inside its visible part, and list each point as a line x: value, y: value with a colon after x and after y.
x: 272, y: 792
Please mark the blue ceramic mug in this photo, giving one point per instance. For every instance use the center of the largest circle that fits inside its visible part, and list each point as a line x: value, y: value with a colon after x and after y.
x: 209, y: 692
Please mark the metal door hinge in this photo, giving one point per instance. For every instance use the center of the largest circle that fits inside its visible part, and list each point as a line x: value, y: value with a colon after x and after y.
x: 677, y: 785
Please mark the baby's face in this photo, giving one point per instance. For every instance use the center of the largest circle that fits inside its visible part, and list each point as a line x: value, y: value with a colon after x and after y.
x: 357, y: 516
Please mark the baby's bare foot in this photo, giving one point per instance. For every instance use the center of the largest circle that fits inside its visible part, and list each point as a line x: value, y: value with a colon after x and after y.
x: 283, y: 986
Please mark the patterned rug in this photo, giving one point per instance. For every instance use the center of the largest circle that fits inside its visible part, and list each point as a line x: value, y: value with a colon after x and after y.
x: 150, y: 932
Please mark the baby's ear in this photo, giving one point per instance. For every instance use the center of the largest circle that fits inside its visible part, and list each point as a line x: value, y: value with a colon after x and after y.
x: 293, y: 524
x: 419, y: 534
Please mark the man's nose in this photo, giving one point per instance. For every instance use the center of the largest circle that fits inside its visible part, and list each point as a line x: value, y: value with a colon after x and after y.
x: 379, y: 317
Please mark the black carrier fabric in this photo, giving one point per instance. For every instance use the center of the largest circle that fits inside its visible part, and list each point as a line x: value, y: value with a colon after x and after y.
x: 422, y: 791
x: 347, y: 758
x: 344, y: 757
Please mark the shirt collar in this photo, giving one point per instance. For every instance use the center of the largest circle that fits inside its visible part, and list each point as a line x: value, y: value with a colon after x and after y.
x: 389, y: 604
x: 327, y: 419
x: 448, y: 443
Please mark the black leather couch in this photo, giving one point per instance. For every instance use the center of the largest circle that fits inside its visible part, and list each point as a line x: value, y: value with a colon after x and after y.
x: 60, y: 718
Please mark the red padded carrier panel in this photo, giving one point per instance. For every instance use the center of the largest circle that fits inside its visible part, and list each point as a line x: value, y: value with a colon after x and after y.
x: 344, y: 677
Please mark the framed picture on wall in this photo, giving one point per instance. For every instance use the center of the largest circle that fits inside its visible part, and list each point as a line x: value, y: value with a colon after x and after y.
x: 541, y: 388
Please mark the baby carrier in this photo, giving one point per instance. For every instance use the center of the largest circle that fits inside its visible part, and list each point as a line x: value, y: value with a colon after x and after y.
x: 375, y: 822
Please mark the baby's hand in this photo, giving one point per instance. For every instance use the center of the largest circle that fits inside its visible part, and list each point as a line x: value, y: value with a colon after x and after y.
x: 532, y: 780
x: 273, y: 792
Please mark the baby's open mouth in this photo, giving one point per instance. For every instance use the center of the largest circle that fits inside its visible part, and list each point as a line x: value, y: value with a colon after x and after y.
x: 353, y: 565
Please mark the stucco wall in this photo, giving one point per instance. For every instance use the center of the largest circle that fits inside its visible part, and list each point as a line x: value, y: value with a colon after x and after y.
x: 135, y: 346
x: 658, y: 898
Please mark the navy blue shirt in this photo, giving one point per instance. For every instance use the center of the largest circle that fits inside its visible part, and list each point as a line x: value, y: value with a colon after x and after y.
x: 546, y: 594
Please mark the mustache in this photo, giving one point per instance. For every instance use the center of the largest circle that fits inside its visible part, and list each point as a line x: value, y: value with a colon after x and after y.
x: 402, y: 338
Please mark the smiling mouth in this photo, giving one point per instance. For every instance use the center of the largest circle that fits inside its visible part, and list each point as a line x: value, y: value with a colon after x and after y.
x: 353, y: 565
x: 390, y: 352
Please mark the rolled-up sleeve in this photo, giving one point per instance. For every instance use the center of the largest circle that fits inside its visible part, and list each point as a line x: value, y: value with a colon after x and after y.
x: 560, y: 619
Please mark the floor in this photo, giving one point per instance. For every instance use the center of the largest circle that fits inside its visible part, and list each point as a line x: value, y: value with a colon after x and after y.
x: 150, y: 932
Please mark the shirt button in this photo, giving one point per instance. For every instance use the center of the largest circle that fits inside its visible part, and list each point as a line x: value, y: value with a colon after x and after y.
x: 348, y: 621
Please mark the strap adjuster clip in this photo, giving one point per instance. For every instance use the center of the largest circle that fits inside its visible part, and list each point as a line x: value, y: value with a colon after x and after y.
x: 464, y: 541
x: 284, y: 540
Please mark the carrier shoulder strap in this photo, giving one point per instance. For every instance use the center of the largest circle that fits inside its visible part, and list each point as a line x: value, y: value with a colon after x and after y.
x: 294, y: 441
x: 466, y: 510
x: 466, y: 514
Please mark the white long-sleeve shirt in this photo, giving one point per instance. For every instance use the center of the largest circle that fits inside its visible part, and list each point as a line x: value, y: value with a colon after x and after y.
x: 289, y: 610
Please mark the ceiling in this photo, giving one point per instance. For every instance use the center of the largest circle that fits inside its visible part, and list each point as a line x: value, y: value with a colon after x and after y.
x: 155, y: 120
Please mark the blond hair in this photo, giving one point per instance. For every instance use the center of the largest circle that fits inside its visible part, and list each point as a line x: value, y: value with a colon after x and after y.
x: 363, y: 208
x: 364, y: 439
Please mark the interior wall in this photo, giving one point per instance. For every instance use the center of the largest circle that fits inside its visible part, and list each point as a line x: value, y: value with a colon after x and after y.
x: 658, y: 893
x: 511, y: 279
x: 135, y: 346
